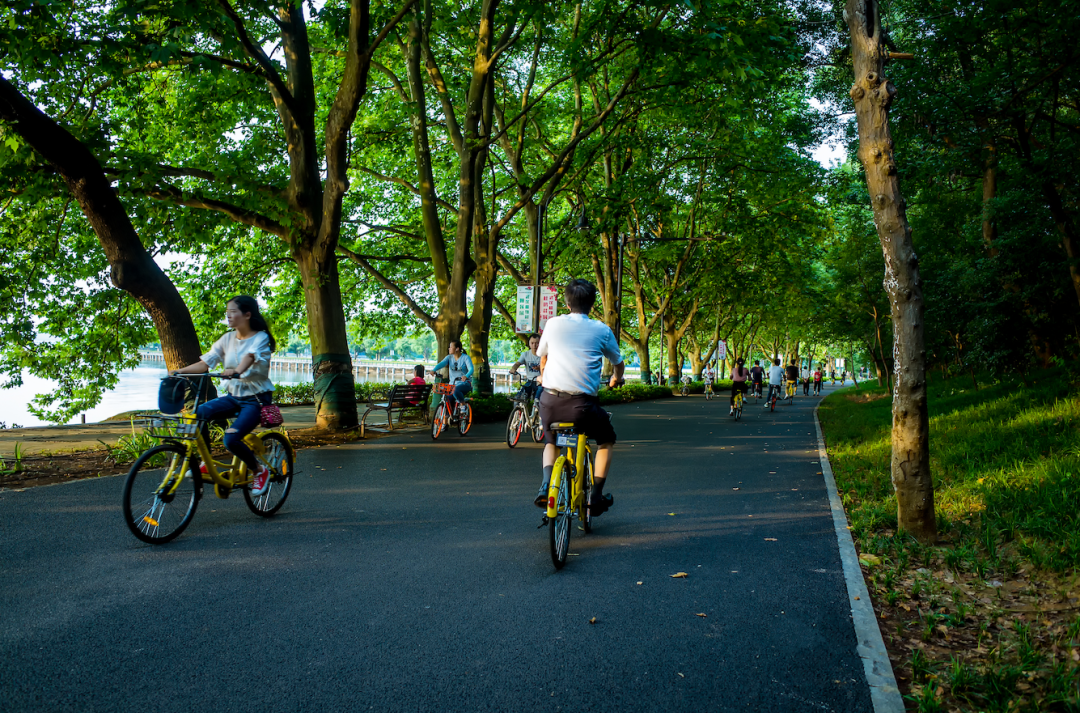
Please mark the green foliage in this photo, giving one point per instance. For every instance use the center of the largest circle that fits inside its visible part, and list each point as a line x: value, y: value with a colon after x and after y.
x: 633, y: 392
x: 1005, y: 459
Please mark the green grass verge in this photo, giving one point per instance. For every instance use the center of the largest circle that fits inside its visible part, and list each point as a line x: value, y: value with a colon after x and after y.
x: 987, y: 620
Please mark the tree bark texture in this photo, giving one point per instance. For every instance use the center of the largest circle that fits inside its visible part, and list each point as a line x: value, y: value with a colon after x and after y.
x: 872, y: 95
x: 132, y: 269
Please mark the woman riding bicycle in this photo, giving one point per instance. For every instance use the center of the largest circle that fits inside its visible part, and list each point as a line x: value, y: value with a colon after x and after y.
x: 461, y: 368
x: 739, y: 376
x: 244, y: 353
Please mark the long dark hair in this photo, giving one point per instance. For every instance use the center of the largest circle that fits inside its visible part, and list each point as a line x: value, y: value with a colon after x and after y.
x: 248, y: 304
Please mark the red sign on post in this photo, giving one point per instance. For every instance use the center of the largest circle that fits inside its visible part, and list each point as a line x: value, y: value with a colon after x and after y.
x: 549, y: 303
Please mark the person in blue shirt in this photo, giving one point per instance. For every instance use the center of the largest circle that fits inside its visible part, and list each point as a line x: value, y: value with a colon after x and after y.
x: 461, y: 368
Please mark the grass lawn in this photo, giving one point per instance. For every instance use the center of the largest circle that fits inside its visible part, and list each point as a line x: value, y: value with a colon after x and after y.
x: 988, y: 620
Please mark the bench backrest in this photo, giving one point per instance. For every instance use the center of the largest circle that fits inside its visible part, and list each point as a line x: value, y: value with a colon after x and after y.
x: 407, y: 394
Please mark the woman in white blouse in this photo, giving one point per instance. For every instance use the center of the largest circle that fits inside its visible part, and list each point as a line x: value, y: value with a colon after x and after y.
x: 244, y: 353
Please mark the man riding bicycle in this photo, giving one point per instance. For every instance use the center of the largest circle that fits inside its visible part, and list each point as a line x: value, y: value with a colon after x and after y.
x: 757, y: 374
x: 571, y: 352
x: 531, y: 361
x: 776, y: 381
x: 708, y: 376
x: 791, y: 375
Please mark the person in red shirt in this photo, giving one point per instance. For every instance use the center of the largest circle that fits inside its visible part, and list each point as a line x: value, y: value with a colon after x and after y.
x: 418, y: 378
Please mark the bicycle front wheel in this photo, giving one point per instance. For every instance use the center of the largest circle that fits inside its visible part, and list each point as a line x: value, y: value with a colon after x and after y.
x: 438, y: 421
x: 465, y: 419
x: 559, y: 526
x: 514, y: 426
x: 538, y: 426
x: 161, y: 493
x: 278, y: 457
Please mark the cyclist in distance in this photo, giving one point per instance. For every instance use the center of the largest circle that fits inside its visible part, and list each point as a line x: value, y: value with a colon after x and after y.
x: 792, y: 374
x: 757, y: 375
x: 708, y: 376
x: 739, y: 376
x: 776, y: 381
x: 531, y: 361
x: 461, y: 368
x: 571, y: 352
x: 244, y: 353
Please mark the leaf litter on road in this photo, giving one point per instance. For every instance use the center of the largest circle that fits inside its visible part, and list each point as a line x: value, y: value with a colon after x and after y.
x: 679, y: 575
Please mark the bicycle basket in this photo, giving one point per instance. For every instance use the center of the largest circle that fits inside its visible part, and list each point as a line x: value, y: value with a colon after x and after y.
x: 171, y: 395
x: 170, y: 427
x: 444, y: 388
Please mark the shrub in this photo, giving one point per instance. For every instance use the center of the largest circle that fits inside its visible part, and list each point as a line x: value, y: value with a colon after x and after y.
x: 495, y: 407
x: 633, y: 392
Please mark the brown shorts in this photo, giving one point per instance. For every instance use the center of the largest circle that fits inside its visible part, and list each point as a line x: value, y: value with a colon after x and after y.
x: 581, y: 410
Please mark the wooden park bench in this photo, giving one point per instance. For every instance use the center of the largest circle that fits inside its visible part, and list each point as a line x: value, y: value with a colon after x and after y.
x: 402, y: 398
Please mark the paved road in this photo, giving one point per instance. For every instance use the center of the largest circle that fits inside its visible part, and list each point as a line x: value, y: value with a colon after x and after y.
x: 406, y: 575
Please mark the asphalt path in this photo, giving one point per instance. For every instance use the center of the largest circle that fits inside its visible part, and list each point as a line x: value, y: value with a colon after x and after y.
x: 407, y: 575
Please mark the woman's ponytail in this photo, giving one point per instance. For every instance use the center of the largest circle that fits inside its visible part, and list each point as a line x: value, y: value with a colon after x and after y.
x: 247, y: 303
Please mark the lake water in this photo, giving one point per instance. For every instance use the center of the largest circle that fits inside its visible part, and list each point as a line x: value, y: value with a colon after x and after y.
x: 137, y: 389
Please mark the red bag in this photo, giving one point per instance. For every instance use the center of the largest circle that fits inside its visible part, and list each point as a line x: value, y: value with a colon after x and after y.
x: 270, y: 416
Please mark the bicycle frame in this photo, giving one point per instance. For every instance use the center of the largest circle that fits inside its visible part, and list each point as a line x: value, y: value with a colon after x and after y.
x: 190, y: 432
x: 577, y: 485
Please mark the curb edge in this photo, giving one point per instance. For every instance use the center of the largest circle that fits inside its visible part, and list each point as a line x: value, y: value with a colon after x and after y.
x: 869, y: 645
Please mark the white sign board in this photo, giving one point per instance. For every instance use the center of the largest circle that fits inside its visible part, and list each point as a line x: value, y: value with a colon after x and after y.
x: 524, y: 309
x: 549, y: 307
x: 721, y: 350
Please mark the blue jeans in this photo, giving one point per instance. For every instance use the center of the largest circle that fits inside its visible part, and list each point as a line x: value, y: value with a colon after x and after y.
x: 531, y: 389
x: 247, y: 411
x: 460, y: 389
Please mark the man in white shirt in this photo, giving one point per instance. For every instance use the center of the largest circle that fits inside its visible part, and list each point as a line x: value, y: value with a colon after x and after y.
x: 776, y: 381
x: 572, y: 349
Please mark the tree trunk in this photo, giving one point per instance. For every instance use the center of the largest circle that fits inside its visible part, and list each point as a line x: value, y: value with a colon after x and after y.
x: 872, y: 94
x: 335, y: 393
x: 131, y: 268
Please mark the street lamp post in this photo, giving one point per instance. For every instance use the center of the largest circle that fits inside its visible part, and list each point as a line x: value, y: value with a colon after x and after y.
x: 541, y: 218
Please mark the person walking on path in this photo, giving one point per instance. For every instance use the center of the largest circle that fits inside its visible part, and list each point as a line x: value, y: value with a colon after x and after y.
x: 244, y: 353
x: 572, y: 350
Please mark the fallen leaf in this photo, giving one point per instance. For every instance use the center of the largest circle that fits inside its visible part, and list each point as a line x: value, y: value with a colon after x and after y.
x: 869, y: 560
x: 641, y: 583
x: 672, y: 514
x: 593, y: 620
x: 703, y: 616
x: 734, y: 488
x: 770, y: 539
x: 856, y: 599
x: 680, y: 675
x: 680, y: 575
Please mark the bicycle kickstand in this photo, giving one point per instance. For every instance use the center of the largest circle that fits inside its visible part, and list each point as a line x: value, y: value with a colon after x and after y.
x: 543, y: 522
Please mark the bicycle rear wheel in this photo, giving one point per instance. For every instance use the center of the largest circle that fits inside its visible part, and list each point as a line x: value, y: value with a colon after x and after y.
x: 464, y: 418
x: 278, y: 457
x: 587, y: 484
x: 559, y: 526
x: 438, y: 421
x: 514, y: 426
x: 161, y: 493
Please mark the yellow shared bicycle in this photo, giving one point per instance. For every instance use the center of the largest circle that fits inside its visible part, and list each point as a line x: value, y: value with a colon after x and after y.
x: 569, y: 490
x: 164, y: 485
